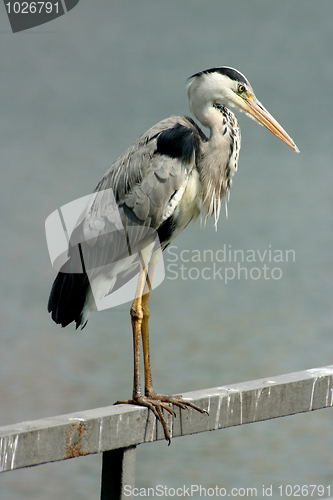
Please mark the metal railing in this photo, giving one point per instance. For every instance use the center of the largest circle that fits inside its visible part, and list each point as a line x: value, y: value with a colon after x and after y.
x: 115, y: 431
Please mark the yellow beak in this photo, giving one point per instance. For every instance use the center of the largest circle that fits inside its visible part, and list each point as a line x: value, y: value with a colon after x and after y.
x: 254, y: 108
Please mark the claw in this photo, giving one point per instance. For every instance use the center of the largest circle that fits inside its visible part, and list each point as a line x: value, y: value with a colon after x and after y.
x: 168, y: 409
x: 156, y: 402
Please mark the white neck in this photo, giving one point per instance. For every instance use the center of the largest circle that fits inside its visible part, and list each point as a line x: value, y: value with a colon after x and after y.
x: 203, y: 91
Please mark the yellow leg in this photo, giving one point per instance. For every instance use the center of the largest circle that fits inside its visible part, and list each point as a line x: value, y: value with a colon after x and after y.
x: 136, y: 320
x: 149, y: 391
x: 140, y: 319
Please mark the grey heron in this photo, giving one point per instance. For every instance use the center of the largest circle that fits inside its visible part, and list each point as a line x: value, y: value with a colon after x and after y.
x: 166, y: 179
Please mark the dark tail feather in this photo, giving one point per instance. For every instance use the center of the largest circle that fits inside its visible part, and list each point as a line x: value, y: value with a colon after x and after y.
x: 67, y: 298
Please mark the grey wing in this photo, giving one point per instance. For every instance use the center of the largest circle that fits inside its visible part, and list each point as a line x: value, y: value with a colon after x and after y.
x: 138, y: 193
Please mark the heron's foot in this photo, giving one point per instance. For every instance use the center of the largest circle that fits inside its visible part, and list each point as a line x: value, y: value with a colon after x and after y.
x: 157, y: 402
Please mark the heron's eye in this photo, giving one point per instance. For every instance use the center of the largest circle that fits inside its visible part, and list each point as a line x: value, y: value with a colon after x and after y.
x: 241, y: 89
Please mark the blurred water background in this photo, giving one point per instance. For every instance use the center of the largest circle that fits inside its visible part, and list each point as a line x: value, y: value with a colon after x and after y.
x: 75, y: 93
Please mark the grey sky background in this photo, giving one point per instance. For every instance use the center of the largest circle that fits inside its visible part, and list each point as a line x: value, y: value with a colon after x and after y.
x: 75, y: 93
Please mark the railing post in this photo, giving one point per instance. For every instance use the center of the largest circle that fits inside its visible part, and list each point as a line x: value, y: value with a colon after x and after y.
x: 118, y: 470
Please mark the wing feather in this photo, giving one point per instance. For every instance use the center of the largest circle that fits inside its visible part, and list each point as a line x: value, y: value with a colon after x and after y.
x: 139, y: 190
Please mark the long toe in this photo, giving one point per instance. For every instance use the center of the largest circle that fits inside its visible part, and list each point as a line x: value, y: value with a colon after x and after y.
x: 177, y: 401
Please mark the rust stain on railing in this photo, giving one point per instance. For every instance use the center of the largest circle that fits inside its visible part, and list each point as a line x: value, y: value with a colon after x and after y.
x: 77, y: 443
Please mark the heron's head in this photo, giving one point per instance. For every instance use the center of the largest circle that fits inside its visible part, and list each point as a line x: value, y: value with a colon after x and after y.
x: 229, y: 87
